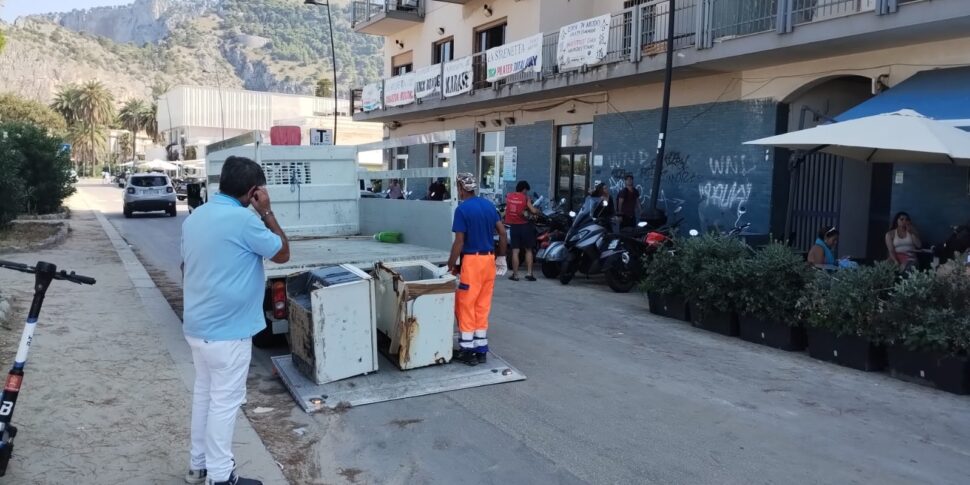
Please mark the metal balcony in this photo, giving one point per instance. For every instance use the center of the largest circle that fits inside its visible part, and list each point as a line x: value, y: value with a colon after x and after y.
x: 387, y: 17
x: 463, y: 2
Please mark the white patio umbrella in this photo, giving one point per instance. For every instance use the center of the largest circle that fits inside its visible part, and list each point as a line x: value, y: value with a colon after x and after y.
x: 159, y: 165
x: 901, y: 137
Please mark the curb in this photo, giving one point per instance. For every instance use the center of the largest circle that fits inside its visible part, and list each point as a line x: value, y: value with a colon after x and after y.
x: 4, y: 307
x: 57, y: 216
x: 248, y: 447
x: 47, y: 243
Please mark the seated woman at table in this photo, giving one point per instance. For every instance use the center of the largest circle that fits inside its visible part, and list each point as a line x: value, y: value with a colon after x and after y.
x: 902, y: 241
x: 822, y: 254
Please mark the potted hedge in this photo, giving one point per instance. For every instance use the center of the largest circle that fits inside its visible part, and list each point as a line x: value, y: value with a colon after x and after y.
x: 929, y: 314
x: 842, y: 310
x: 767, y: 294
x: 664, y: 284
x: 711, y: 281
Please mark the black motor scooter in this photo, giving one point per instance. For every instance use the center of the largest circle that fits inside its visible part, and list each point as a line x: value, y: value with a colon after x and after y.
x: 622, y: 256
x: 43, y: 273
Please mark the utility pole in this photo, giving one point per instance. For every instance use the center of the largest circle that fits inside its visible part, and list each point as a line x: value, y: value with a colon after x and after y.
x: 664, y: 113
x: 333, y: 59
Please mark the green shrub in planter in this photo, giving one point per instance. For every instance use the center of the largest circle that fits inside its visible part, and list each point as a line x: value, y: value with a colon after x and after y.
x: 842, y: 311
x: 664, y: 284
x: 930, y: 311
x: 771, y: 282
x: 663, y: 273
x: 711, y: 278
x: 847, y: 302
x: 768, y: 288
x: 712, y: 273
x: 929, y: 317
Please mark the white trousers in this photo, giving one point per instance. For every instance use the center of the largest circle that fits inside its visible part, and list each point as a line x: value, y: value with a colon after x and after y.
x: 221, y: 369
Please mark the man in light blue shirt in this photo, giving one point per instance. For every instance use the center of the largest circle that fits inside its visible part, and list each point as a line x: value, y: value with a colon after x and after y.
x: 223, y: 247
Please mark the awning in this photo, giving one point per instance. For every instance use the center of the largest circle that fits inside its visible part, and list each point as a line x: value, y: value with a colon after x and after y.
x: 940, y: 94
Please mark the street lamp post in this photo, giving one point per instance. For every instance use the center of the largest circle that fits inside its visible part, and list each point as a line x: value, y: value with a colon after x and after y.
x: 222, y: 107
x: 665, y: 112
x: 333, y: 59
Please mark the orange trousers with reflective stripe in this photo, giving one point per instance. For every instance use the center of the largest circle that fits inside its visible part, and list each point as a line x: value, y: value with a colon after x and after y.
x: 473, y: 301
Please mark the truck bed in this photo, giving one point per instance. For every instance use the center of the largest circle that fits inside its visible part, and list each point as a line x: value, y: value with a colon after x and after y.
x: 360, y: 251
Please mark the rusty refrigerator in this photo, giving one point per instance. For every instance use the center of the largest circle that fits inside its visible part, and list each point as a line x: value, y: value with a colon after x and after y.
x: 415, y: 313
x: 332, y: 326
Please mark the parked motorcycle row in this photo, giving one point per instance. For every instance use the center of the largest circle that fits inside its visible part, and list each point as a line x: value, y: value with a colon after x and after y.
x: 568, y: 243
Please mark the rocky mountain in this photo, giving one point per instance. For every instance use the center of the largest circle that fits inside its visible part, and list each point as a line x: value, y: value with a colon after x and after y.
x: 265, y: 45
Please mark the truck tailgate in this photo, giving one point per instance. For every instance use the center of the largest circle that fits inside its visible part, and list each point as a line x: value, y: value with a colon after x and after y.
x: 361, y: 252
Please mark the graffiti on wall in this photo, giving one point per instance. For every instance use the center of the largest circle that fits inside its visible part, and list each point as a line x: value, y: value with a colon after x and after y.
x: 725, y: 192
x: 641, y: 164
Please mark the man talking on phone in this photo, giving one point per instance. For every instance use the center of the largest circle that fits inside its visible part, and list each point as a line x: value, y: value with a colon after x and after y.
x: 223, y: 247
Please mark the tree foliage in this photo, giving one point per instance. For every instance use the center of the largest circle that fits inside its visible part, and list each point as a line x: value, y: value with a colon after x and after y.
x: 324, y: 88
x: 16, y: 108
x: 300, y: 34
x: 88, y: 109
x: 35, y: 159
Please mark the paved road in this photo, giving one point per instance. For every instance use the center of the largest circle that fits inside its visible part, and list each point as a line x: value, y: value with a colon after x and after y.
x: 613, y: 396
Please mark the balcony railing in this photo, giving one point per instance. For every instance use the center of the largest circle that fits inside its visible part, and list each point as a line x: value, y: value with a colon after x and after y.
x: 642, y: 31
x: 366, y: 11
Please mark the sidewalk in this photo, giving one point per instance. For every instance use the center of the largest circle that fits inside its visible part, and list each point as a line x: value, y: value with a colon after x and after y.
x: 106, y: 396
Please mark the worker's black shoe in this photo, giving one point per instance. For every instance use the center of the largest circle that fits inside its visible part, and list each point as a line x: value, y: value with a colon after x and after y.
x: 481, y: 357
x: 467, y: 357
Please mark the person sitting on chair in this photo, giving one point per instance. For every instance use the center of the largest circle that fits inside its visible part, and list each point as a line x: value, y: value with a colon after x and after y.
x: 902, y: 242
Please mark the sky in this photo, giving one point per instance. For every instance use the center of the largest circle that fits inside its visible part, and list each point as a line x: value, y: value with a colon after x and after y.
x: 15, y: 8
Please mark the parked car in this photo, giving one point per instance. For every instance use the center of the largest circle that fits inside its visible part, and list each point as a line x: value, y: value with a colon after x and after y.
x: 146, y: 192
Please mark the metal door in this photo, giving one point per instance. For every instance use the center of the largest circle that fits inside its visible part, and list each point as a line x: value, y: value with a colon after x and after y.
x: 816, y: 197
x: 572, y: 176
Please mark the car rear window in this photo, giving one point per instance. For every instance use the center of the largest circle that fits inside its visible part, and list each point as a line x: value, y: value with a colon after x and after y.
x: 149, y: 181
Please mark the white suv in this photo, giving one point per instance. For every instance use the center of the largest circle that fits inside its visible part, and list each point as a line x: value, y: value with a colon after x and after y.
x: 147, y: 192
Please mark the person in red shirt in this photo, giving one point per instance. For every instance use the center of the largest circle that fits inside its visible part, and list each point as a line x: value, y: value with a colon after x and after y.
x: 523, y: 233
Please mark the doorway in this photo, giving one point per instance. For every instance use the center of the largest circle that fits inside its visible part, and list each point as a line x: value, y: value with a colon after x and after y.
x: 485, y: 39
x: 573, y: 164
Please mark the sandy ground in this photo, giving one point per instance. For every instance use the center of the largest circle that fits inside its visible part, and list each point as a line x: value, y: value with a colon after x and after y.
x: 101, y: 401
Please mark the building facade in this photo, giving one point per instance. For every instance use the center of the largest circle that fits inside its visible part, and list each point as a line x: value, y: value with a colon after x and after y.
x: 196, y: 116
x: 572, y: 90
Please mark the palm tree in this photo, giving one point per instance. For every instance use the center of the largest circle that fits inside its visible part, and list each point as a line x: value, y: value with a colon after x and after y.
x: 132, y: 117
x: 88, y: 109
x: 88, y: 141
x: 95, y: 103
x: 150, y: 121
x: 66, y: 103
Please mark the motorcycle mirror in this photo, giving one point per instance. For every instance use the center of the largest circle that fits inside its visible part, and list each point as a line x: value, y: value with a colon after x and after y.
x: 572, y: 214
x: 642, y: 224
x: 742, y: 210
x: 694, y: 233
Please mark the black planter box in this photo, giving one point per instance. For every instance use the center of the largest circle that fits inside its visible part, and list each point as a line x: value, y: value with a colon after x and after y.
x: 670, y: 306
x: 724, y: 323
x: 846, y: 350
x: 944, y: 372
x: 772, y: 333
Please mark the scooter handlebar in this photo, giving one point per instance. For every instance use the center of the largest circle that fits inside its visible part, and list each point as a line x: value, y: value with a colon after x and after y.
x: 74, y: 278
x: 60, y: 275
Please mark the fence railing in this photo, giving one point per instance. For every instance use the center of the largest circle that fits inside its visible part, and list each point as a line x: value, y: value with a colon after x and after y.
x: 643, y: 30
x: 366, y: 10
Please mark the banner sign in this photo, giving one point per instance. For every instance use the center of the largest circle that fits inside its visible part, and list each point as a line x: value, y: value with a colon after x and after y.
x: 521, y: 56
x: 399, y: 90
x: 458, y: 77
x: 427, y: 81
x: 371, y: 97
x: 583, y: 43
x: 510, y: 162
